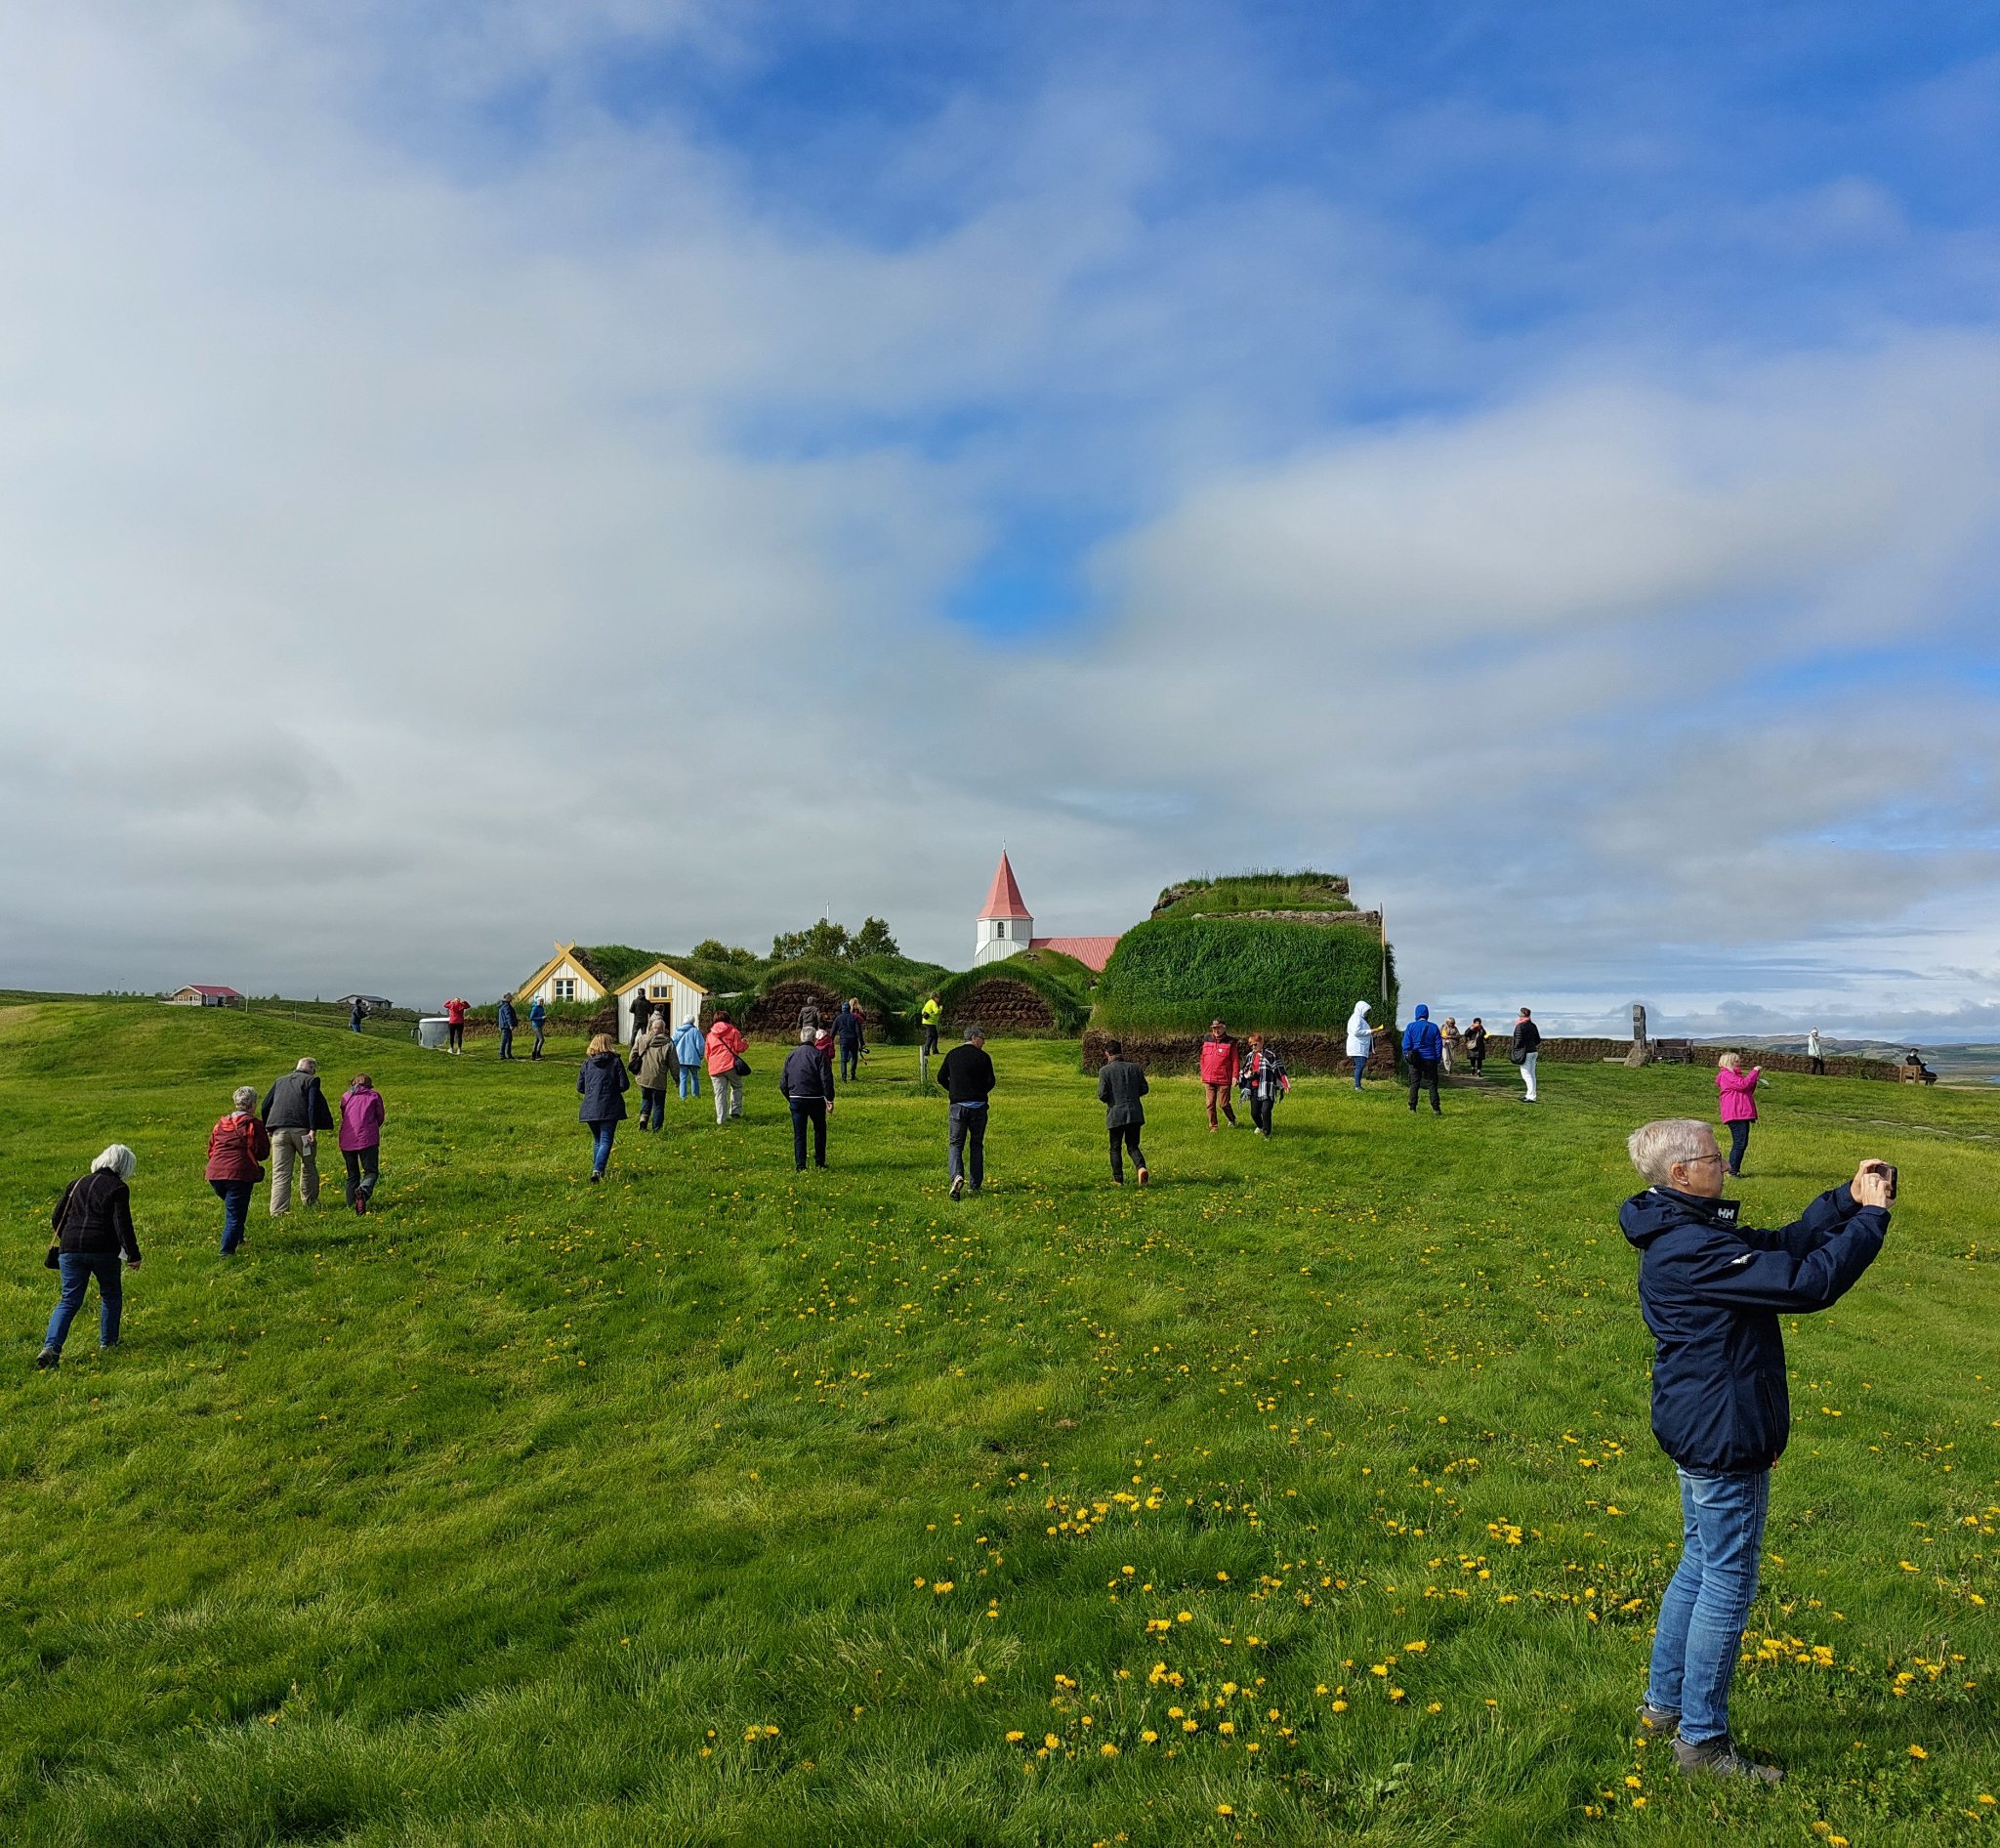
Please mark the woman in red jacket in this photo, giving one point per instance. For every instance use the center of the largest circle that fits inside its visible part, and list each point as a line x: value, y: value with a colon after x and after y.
x: 725, y: 1047
x: 236, y: 1146
x: 1219, y: 1066
x: 1738, y: 1089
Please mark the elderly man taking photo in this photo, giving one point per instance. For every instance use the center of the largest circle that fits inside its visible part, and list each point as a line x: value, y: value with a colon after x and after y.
x: 1711, y: 1290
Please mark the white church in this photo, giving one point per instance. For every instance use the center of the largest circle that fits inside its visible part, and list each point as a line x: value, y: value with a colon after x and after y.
x: 1006, y: 927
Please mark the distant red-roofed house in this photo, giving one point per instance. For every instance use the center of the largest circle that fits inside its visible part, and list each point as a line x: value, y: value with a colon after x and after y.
x: 202, y: 994
x: 1006, y: 927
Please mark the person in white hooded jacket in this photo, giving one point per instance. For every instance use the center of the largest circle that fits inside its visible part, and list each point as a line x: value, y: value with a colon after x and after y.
x: 1360, y: 1041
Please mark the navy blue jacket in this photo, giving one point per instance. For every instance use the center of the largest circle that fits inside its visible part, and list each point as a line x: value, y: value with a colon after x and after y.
x: 1711, y: 1291
x: 505, y: 1018
x: 846, y: 1027
x: 1421, y: 1038
x: 806, y: 1076
x: 603, y: 1084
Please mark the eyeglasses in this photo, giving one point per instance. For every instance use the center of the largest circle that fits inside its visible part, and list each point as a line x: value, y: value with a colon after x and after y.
x: 1714, y: 1155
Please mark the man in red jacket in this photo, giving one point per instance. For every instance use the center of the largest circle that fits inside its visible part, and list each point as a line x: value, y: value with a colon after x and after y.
x: 1219, y: 1062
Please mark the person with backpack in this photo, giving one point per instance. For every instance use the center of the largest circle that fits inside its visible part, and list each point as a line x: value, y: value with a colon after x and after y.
x: 1264, y: 1082
x: 652, y: 1053
x: 295, y: 1112
x: 1713, y: 1292
x: 847, y: 1036
x: 1737, y: 1090
x: 92, y: 1227
x: 507, y: 1020
x: 1423, y: 1046
x: 1360, y: 1041
x: 237, y: 1145
x: 967, y: 1076
x: 601, y: 1084
x: 1220, y: 1061
x: 361, y: 1112
x: 1525, y: 1044
x: 538, y: 1019
x: 806, y: 1086
x: 727, y: 1065
x: 455, y: 1011
x: 1120, y: 1085
x: 688, y: 1056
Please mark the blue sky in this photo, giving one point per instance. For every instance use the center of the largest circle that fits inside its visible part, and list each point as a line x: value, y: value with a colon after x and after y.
x: 1538, y: 461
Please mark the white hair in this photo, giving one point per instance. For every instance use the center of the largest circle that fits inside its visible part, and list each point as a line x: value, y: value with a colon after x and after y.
x: 119, y: 1158
x: 1656, y: 1148
x: 244, y: 1097
x: 308, y: 1064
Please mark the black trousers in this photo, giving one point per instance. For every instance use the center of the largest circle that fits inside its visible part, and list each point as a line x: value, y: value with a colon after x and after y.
x: 364, y: 1169
x: 455, y: 1035
x: 1260, y: 1110
x: 1423, y: 1071
x: 807, y: 1109
x: 1124, y: 1137
x: 539, y: 1037
x: 849, y: 1059
x: 929, y: 1039
x: 1740, y: 1144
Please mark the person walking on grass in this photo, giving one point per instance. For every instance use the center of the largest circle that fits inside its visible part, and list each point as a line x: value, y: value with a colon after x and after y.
x: 360, y: 1140
x: 237, y: 1145
x: 538, y: 1019
x: 1475, y: 1047
x: 1120, y: 1085
x: 455, y: 1011
x: 1737, y: 1090
x: 1523, y: 1050
x: 1453, y: 1040
x: 653, y: 1056
x: 1219, y: 1062
x: 1360, y: 1041
x: 601, y: 1084
x: 726, y: 1066
x: 932, y: 1012
x: 92, y: 1227
x: 1422, y: 1048
x: 1712, y: 1291
x: 1263, y: 1080
x: 688, y: 1057
x: 507, y: 1020
x: 847, y: 1036
x: 357, y: 1014
x: 806, y: 1085
x: 1816, y: 1053
x: 295, y: 1113
x: 967, y: 1076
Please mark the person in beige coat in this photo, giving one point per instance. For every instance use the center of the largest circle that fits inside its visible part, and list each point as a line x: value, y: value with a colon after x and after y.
x: 653, y: 1065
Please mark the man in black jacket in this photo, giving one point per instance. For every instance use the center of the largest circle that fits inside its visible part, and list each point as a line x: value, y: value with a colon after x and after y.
x: 967, y: 1076
x: 1712, y: 1290
x: 1120, y: 1086
x: 295, y: 1112
x: 806, y: 1085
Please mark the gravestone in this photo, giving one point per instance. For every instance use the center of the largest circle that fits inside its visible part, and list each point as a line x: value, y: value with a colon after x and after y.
x: 1642, y: 1048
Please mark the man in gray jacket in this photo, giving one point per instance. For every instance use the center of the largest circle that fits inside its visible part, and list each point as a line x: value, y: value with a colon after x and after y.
x: 295, y: 1112
x: 1120, y: 1086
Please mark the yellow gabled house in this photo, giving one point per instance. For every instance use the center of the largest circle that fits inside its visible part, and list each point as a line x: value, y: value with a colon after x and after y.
x: 565, y: 977
x: 663, y: 988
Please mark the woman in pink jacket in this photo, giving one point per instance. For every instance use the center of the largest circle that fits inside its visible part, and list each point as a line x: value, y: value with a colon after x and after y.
x: 360, y: 1140
x: 726, y: 1066
x: 1739, y: 1090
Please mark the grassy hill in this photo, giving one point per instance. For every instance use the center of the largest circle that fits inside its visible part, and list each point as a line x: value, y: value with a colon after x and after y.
x: 716, y: 1505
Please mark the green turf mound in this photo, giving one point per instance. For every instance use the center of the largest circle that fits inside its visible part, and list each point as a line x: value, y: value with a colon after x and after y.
x: 1176, y: 974
x: 1307, y: 893
x: 1038, y: 992
x: 772, y: 1008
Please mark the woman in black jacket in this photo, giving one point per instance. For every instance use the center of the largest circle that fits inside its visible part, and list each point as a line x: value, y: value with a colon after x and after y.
x: 92, y: 1223
x: 601, y: 1084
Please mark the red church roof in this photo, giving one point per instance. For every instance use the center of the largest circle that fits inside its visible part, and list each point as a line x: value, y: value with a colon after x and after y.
x: 210, y: 987
x: 1092, y: 952
x: 1005, y: 900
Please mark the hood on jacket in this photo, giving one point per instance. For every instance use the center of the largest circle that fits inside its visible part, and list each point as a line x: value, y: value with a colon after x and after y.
x: 1359, y: 1019
x: 1645, y: 1216
x: 1423, y: 1012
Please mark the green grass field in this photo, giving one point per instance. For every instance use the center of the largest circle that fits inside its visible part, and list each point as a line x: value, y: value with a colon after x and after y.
x: 1306, y: 1497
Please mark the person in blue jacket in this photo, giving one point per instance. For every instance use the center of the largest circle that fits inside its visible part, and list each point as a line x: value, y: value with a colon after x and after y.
x: 538, y: 1019
x: 1712, y: 1290
x: 689, y: 1050
x: 1423, y: 1046
x: 601, y: 1084
x: 507, y: 1021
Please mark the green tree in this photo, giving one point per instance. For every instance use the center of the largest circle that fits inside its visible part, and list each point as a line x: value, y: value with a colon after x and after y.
x: 825, y: 939
x: 873, y: 939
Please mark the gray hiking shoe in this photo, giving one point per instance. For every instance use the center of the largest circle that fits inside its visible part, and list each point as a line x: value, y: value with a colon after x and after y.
x: 1718, y: 1757
x: 1655, y: 1722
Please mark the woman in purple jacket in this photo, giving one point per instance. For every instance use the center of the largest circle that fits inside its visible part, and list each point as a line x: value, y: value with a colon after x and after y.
x: 1739, y: 1090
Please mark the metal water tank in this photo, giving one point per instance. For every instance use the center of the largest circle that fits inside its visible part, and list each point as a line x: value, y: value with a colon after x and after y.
x: 433, y: 1031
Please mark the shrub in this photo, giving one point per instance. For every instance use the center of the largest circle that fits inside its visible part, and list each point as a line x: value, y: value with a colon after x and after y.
x: 1177, y: 974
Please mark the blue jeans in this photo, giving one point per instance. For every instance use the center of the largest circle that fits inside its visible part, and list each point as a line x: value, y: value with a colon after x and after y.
x: 849, y: 1058
x: 235, y: 1199
x: 689, y: 1081
x: 507, y: 1042
x: 652, y: 1107
x: 600, y: 1135
x: 77, y: 1268
x: 967, y: 1141
x: 1701, y: 1616
x: 1360, y: 1066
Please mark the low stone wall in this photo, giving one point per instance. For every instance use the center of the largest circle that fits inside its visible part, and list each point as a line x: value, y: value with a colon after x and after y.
x: 1179, y: 1053
x: 1004, y: 1008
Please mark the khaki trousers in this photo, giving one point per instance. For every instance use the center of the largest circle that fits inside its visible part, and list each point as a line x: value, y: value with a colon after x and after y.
x: 288, y: 1146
